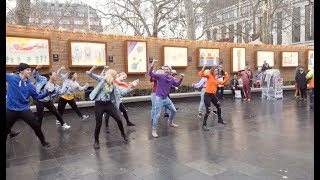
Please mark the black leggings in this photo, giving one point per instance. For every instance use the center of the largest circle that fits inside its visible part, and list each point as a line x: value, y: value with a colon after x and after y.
x: 211, y: 98
x: 220, y: 94
x: 50, y: 106
x: 303, y: 93
x: 28, y: 117
x: 106, y: 107
x: 62, y: 105
x: 122, y: 108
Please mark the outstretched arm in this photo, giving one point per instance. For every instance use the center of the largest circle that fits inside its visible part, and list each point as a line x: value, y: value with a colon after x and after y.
x: 92, y: 75
x: 59, y: 73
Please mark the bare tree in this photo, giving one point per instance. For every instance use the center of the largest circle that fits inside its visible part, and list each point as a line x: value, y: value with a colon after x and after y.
x: 22, y: 12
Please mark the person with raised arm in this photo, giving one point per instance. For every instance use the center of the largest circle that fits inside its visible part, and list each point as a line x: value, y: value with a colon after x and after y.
x: 43, y: 84
x: 20, y: 89
x: 107, y: 99
x: 164, y: 83
x: 71, y: 85
x: 210, y: 94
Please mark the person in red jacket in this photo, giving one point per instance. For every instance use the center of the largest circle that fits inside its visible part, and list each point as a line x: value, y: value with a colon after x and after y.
x: 210, y: 94
x: 245, y: 75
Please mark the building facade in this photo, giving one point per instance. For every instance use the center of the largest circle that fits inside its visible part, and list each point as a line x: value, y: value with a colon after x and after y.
x: 66, y: 16
x: 292, y: 21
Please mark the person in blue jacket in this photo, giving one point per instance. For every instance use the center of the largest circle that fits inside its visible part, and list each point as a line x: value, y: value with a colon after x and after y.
x: 20, y: 88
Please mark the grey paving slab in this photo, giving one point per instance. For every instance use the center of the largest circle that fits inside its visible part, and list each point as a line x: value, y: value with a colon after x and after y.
x: 260, y: 138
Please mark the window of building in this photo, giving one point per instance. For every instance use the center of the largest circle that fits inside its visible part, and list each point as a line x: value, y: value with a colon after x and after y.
x: 245, y: 10
x: 296, y: 25
x: 208, y: 35
x: 214, y: 34
x: 223, y: 32
x: 78, y: 22
x: 46, y: 21
x: 231, y: 30
x: 309, y: 24
x: 65, y: 22
x: 279, y: 28
x: 239, y: 32
x: 81, y: 14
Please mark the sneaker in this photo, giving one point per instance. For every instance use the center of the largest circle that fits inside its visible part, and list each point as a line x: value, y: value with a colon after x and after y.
x: 57, y: 122
x: 205, y: 128
x: 215, y: 113
x: 173, y: 125
x: 46, y: 144
x: 130, y: 124
x: 14, y: 134
x: 84, y: 117
x: 125, y: 138
x: 65, y: 126
x: 248, y: 100
x: 166, y: 115
x: 96, y: 145
x: 154, y: 133
x: 107, y: 130
x: 199, y: 114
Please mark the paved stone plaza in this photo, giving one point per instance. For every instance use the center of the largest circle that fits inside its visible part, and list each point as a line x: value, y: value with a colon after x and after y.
x: 263, y: 140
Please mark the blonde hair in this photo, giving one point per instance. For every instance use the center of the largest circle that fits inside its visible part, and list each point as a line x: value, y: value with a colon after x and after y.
x: 122, y: 74
x: 110, y: 76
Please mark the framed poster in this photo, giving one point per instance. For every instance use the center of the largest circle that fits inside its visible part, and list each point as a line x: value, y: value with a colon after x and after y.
x: 238, y: 59
x: 210, y: 56
x: 136, y: 57
x: 31, y: 50
x: 267, y: 56
x: 289, y: 59
x: 176, y: 57
x: 87, y: 54
x: 310, y: 58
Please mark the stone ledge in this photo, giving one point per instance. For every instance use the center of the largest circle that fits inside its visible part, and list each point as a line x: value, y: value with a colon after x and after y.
x: 147, y: 98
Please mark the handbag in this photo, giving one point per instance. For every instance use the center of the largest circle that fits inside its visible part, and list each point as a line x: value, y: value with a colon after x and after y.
x: 238, y: 94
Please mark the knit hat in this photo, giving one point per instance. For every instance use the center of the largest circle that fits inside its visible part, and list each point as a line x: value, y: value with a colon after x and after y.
x: 22, y: 66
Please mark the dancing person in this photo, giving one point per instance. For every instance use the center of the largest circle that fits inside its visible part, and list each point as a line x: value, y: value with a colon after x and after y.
x: 70, y: 84
x: 44, y: 85
x: 164, y: 83
x: 302, y: 83
x: 310, y: 76
x: 107, y: 99
x: 245, y: 75
x: 123, y: 86
x: 234, y: 85
x: 297, y: 93
x: 210, y: 94
x: 20, y: 89
x: 153, y: 92
x: 220, y: 86
x: 202, y: 84
x: 172, y: 89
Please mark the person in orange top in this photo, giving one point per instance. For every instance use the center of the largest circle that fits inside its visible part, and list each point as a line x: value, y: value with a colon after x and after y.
x: 310, y: 76
x: 210, y: 94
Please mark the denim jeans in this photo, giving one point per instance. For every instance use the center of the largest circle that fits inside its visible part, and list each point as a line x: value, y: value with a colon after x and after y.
x: 158, y: 104
x: 153, y: 98
x: 311, y: 97
x: 202, y: 106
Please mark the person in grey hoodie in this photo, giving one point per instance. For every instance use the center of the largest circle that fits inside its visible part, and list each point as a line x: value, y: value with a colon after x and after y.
x: 70, y: 84
x: 48, y: 85
x: 20, y: 88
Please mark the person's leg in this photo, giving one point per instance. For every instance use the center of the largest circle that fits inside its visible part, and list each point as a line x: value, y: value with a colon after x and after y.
x: 122, y: 108
x: 152, y: 96
x: 157, y: 110
x: 168, y: 104
x: 98, y: 111
x: 311, y: 98
x: 222, y: 89
x: 106, y: 119
x: 40, y: 108
x: 50, y: 106
x: 207, y: 102
x: 233, y: 93
x: 201, y: 105
x: 61, y: 105
x: 249, y: 93
x: 216, y: 103
x: 245, y: 89
x: 28, y: 117
x: 11, y: 118
x: 113, y: 112
x: 75, y: 108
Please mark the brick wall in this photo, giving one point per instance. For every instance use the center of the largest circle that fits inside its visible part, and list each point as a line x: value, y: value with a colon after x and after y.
x: 115, y: 47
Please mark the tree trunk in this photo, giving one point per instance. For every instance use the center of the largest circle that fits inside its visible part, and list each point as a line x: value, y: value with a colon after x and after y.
x: 191, y: 29
x: 266, y: 22
x: 22, y: 12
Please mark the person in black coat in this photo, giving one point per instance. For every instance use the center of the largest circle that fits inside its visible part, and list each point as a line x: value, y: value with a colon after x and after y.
x: 234, y: 85
x: 265, y: 66
x: 221, y: 78
x: 302, y: 83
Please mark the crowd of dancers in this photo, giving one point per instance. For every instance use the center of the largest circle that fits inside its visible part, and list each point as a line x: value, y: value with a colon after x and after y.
x: 107, y: 96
